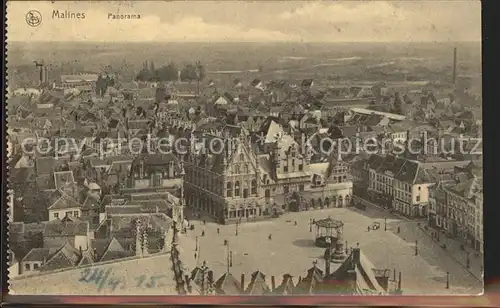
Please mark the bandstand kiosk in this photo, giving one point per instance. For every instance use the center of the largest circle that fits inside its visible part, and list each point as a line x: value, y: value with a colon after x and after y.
x: 329, y: 235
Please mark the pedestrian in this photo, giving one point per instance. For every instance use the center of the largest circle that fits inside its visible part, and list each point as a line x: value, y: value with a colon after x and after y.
x: 399, y: 229
x: 295, y: 222
x: 270, y: 236
x: 368, y: 228
x: 195, y: 255
x: 218, y: 231
x: 204, y: 222
x: 225, y: 242
x: 203, y: 233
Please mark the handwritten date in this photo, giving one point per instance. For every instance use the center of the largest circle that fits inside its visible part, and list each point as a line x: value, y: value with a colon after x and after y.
x: 104, y: 279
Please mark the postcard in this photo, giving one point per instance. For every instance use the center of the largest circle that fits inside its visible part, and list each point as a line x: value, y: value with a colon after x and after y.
x: 245, y: 148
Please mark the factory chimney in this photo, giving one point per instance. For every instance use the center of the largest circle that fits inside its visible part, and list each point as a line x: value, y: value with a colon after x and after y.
x: 454, y: 66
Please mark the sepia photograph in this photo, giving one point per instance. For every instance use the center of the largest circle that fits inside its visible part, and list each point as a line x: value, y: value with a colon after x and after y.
x: 244, y: 148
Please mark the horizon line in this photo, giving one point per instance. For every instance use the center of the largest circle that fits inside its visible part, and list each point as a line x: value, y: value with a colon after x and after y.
x: 260, y: 42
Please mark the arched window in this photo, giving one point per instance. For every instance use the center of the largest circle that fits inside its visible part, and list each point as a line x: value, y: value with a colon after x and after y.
x: 237, y: 189
x: 254, y: 187
x: 229, y: 189
x: 242, y: 157
x: 246, y: 168
x: 237, y: 169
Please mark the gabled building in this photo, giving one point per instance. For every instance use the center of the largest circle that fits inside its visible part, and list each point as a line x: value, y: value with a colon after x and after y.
x: 400, y: 184
x: 464, y: 206
x: 65, y: 206
x: 67, y: 230
x: 242, y: 179
x: 156, y: 171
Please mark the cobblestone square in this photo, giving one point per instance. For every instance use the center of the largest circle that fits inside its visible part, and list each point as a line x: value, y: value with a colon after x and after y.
x: 291, y: 249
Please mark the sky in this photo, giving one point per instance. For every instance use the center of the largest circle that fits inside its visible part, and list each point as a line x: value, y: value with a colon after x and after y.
x: 231, y: 21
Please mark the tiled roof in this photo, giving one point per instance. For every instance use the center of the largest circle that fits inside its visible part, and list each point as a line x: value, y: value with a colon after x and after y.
x: 65, y: 202
x: 90, y: 202
x: 365, y: 283
x: 258, y: 285
x: 124, y: 209
x: 47, y: 165
x: 66, y: 227
x: 227, y: 285
x: 63, y: 177
x: 469, y: 188
x: 286, y: 287
x: 39, y: 254
x: 66, y: 256
x: 404, y: 170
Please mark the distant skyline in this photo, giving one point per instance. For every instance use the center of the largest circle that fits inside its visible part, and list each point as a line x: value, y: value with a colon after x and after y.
x: 291, y: 21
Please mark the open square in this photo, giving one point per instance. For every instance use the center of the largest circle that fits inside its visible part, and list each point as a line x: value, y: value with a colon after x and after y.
x: 291, y: 249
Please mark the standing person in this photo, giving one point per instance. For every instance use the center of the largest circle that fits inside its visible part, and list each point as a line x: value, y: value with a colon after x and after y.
x: 270, y: 236
x: 295, y: 223
x: 218, y: 231
x: 203, y: 233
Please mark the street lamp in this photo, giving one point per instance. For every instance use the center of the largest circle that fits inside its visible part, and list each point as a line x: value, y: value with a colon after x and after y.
x: 416, y: 248
x: 447, y: 280
x: 385, y: 223
x: 237, y: 222
x: 310, y: 225
x: 196, y: 247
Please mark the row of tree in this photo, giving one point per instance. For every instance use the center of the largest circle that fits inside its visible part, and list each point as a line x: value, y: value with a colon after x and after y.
x: 190, y: 72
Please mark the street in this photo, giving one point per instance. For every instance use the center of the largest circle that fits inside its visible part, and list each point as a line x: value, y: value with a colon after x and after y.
x: 291, y: 249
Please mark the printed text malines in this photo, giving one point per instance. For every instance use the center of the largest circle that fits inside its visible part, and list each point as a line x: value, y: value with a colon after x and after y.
x: 67, y: 15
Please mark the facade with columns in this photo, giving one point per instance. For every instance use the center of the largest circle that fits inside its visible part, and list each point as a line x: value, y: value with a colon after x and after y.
x: 230, y: 181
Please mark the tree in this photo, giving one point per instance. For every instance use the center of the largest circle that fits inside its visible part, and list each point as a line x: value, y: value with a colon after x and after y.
x: 167, y: 73
x: 144, y: 75
x: 398, y: 102
x: 188, y: 73
x: 201, y: 73
x: 193, y: 72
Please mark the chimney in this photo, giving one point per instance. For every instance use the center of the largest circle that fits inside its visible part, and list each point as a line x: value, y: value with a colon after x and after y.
x: 242, y: 283
x: 399, y: 282
x: 327, y: 261
x: 210, y: 276
x: 188, y: 283
x: 356, y: 255
x: 454, y: 66
x: 273, y: 284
